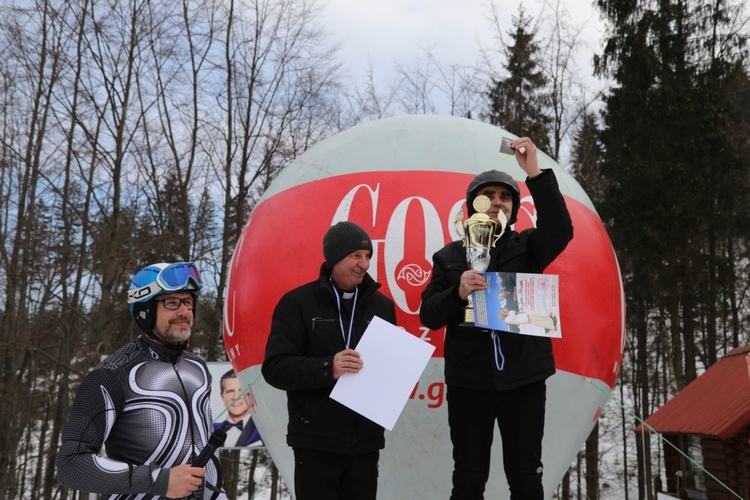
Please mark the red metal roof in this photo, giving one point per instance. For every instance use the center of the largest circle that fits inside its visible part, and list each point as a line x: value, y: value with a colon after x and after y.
x: 715, y: 404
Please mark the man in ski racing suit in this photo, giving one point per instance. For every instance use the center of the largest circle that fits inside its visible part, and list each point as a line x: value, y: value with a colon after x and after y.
x: 148, y: 403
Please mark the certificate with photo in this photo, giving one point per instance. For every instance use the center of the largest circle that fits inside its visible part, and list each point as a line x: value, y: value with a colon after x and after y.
x: 524, y: 303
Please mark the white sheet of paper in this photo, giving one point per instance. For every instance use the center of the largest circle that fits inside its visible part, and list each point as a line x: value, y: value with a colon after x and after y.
x: 393, y: 361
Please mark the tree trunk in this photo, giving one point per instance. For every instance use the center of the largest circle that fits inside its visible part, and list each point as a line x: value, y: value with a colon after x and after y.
x: 592, y: 464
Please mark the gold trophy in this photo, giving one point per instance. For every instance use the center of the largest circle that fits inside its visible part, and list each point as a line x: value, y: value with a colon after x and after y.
x: 479, y: 239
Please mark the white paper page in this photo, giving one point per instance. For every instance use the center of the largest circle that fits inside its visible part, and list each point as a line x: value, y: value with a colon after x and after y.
x: 393, y: 361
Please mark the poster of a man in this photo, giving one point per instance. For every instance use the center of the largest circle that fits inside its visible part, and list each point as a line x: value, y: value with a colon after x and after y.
x: 234, y: 415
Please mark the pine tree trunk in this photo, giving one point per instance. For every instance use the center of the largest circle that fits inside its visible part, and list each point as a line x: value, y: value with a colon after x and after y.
x: 592, y: 464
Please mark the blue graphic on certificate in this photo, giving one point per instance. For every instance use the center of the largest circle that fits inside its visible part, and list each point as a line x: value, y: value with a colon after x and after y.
x: 524, y: 303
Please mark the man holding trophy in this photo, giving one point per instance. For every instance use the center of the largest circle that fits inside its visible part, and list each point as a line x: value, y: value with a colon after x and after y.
x: 494, y: 376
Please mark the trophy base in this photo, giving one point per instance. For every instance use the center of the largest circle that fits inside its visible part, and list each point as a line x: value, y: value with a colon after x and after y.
x: 468, y: 317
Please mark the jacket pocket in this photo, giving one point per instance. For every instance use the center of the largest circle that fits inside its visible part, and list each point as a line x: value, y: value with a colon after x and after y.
x: 326, y: 338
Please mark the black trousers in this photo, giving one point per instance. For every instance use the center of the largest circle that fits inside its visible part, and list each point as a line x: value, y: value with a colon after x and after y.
x: 519, y: 414
x: 322, y: 475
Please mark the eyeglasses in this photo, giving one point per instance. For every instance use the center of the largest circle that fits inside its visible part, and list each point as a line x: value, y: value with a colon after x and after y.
x: 174, y: 303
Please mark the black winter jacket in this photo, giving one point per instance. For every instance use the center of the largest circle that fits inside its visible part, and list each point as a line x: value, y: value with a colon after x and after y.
x: 305, y: 336
x: 469, y: 351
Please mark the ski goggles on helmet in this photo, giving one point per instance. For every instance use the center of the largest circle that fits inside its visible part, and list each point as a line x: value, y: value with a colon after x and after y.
x: 177, y: 277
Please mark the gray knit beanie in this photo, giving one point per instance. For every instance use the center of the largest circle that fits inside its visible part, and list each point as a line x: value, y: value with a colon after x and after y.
x: 342, y: 239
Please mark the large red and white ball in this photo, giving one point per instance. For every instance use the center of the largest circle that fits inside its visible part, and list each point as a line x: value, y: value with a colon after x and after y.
x: 403, y: 179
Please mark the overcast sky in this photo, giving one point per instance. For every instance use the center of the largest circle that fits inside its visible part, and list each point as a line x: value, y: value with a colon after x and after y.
x: 388, y: 32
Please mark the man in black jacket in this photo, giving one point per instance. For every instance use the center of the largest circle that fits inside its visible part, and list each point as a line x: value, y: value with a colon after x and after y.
x: 314, y: 331
x: 493, y: 375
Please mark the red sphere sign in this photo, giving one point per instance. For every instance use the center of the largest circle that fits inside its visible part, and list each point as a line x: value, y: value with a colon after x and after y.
x: 403, y: 180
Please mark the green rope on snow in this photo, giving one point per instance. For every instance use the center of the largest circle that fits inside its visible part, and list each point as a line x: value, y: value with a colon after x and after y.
x: 653, y: 431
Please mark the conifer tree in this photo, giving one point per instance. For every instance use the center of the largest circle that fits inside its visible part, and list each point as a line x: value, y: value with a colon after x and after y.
x: 587, y: 156
x: 518, y: 102
x: 675, y: 165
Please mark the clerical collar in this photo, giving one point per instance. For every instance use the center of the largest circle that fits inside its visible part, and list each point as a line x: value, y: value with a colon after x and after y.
x: 347, y: 295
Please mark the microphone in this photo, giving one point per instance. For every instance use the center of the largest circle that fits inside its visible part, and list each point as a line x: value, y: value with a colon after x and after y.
x: 215, y: 441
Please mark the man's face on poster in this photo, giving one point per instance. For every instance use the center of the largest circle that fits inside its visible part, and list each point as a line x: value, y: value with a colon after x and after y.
x: 230, y: 389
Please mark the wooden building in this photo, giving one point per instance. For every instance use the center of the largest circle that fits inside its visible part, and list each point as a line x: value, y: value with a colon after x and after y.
x: 709, y: 422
